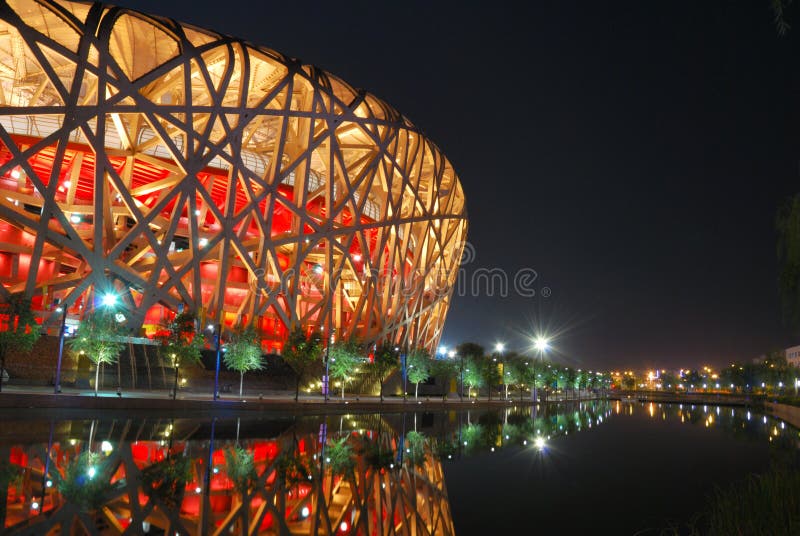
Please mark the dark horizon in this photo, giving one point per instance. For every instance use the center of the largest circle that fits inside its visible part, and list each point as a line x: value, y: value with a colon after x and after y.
x: 634, y: 155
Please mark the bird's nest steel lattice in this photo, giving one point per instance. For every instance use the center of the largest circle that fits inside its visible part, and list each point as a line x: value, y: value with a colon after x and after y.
x: 181, y: 168
x: 139, y: 485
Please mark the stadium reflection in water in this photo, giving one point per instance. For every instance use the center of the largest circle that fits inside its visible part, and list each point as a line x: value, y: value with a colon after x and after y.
x: 334, y: 474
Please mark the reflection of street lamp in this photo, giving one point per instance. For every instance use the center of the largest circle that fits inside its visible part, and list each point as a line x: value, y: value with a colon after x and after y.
x: 542, y: 345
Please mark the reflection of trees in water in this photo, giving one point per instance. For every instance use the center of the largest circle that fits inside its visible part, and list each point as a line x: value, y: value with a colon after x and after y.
x: 367, y: 480
x: 340, y: 474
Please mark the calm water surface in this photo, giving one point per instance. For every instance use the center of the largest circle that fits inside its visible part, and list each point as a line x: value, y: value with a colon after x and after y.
x: 592, y: 468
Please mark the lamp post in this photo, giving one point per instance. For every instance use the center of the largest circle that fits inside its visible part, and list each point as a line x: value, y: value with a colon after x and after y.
x: 404, y: 365
x: 326, y: 381
x: 498, y: 348
x: 452, y: 355
x: 217, y: 337
x: 61, y: 332
x: 541, y: 344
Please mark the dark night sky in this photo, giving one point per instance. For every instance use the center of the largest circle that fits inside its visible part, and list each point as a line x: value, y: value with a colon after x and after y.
x: 632, y: 153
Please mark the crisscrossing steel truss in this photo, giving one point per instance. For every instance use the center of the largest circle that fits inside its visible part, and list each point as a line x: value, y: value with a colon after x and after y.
x: 181, y: 168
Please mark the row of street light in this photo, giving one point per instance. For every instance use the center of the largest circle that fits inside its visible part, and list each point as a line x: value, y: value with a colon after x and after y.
x: 540, y: 344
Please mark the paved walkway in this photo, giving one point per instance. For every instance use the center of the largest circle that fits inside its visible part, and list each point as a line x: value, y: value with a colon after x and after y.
x: 40, y: 397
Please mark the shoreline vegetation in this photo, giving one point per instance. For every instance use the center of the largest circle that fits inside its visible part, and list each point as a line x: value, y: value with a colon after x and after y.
x: 765, y: 504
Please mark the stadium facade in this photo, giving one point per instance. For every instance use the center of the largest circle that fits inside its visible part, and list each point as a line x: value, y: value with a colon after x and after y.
x: 178, y: 168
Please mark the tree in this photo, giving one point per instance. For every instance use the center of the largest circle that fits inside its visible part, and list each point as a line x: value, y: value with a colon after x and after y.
x: 472, y: 376
x: 243, y: 354
x: 629, y: 382
x: 99, y: 338
x: 549, y: 377
x: 466, y: 352
x: 302, y: 353
x: 344, y: 359
x: 445, y: 369
x: 181, y: 344
x: 515, y: 372
x: 583, y: 381
x: 418, y: 368
x: 694, y: 379
x: 18, y: 329
x: 669, y: 382
x: 570, y: 379
x: 490, y: 373
x: 384, y: 363
x: 787, y: 224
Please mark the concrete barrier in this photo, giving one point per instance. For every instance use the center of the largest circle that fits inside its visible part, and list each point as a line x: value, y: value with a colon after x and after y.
x: 785, y: 412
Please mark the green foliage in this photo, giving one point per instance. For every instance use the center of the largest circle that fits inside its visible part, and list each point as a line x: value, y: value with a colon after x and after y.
x: 570, y: 377
x: 18, y: 328
x: 384, y: 363
x: 629, y: 382
x: 85, y: 482
x: 418, y: 365
x: 669, y: 381
x: 787, y: 224
x: 515, y: 371
x: 445, y: 448
x: 375, y: 455
x: 180, y: 343
x: 344, y: 358
x: 767, y: 504
x: 476, y: 437
x: 446, y: 370
x: 291, y: 470
x: 415, y: 448
x: 473, y: 376
x: 470, y: 350
x: 302, y: 354
x: 582, y: 382
x: 779, y: 14
x: 243, y: 352
x: 167, y: 479
x: 385, y: 360
x: 241, y: 469
x: 99, y: 338
x: 10, y: 475
x: 490, y: 373
x: 340, y: 457
x: 693, y: 380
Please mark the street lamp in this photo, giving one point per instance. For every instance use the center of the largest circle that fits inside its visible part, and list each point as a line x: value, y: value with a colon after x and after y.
x: 498, y: 348
x: 452, y: 354
x: 62, y: 308
x: 542, y: 345
x: 327, y: 379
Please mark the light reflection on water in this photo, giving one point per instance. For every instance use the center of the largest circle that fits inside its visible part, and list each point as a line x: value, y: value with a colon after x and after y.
x: 335, y: 474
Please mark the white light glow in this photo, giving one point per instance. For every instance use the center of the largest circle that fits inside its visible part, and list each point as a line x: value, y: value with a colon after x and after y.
x: 541, y: 344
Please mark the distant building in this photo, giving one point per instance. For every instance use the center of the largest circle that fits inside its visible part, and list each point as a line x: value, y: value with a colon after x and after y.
x: 793, y: 355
